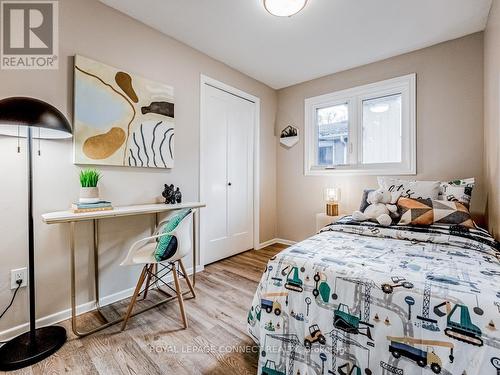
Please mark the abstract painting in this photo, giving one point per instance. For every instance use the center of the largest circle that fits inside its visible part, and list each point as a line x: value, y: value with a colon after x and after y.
x: 121, y: 119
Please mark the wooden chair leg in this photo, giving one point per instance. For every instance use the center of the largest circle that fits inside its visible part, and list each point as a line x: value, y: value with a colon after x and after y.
x: 179, y: 295
x: 188, y: 280
x: 134, y: 297
x: 151, y: 270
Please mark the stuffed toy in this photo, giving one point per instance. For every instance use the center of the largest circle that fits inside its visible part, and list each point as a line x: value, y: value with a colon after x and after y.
x: 382, y: 206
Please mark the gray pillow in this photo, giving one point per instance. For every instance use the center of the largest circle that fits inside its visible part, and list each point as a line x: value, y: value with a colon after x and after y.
x: 364, y: 203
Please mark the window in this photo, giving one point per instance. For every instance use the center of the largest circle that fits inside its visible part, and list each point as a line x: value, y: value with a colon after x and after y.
x: 381, y: 131
x: 332, y: 134
x: 364, y: 130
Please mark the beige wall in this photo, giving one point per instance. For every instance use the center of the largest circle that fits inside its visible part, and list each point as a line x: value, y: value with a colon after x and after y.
x: 449, y: 129
x: 89, y: 28
x: 492, y: 116
x: 450, y: 120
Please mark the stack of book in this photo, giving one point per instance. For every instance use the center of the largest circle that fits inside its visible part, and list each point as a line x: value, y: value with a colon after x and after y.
x: 91, y: 207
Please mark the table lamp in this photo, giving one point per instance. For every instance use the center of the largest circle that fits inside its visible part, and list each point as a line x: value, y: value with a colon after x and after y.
x: 332, y: 197
x: 31, y: 118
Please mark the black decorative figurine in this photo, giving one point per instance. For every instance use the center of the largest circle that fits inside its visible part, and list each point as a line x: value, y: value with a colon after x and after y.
x: 178, y: 196
x: 171, y: 194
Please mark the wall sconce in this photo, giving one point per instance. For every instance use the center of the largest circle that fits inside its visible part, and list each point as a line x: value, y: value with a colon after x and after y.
x: 332, y: 197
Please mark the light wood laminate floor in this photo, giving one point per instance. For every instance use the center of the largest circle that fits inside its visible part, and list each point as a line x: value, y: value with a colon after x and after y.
x: 154, y: 343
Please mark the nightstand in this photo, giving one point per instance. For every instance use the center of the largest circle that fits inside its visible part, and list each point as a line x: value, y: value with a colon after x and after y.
x: 323, y: 220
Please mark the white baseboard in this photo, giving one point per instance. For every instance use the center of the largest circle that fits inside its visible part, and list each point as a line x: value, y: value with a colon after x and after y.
x: 276, y: 241
x: 80, y: 309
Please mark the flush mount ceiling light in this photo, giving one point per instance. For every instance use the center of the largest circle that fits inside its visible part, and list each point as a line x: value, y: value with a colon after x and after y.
x: 284, y: 8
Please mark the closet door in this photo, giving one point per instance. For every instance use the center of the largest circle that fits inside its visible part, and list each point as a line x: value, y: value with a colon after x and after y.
x: 227, y: 221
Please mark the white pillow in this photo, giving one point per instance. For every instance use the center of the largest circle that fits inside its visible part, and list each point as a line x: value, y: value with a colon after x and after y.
x: 459, y: 190
x: 411, y: 188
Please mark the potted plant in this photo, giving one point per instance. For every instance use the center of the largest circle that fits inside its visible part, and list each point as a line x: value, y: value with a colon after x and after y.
x: 89, y: 192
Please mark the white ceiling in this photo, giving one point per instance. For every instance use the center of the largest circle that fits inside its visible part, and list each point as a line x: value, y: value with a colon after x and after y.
x: 326, y: 37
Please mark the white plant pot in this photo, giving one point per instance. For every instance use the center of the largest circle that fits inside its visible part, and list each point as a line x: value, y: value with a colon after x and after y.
x: 89, y: 195
x: 289, y: 141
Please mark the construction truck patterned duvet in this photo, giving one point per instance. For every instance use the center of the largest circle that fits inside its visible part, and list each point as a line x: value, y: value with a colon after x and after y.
x: 363, y: 299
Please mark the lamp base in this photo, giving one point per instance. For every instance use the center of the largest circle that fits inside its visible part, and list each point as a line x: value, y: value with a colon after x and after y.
x: 22, y: 352
x: 332, y: 209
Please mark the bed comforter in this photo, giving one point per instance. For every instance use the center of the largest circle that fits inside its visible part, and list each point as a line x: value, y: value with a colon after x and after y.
x: 362, y: 299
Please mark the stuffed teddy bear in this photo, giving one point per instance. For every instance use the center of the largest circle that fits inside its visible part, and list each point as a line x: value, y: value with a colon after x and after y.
x: 382, y: 205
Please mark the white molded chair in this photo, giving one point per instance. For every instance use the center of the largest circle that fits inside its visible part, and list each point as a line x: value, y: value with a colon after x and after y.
x: 142, y: 252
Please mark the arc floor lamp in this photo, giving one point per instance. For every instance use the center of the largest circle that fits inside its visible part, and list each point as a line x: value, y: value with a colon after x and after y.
x: 31, y: 118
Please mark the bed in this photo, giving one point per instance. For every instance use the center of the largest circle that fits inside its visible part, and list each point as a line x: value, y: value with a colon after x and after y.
x: 359, y: 298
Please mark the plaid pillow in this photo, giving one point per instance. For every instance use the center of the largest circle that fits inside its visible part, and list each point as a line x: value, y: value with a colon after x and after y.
x: 457, y: 191
x: 167, y: 245
x: 429, y: 211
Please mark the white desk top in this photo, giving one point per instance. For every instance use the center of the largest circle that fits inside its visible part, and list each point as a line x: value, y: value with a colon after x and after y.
x: 141, y: 209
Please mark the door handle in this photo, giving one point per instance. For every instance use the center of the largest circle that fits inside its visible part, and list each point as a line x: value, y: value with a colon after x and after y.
x: 229, y: 184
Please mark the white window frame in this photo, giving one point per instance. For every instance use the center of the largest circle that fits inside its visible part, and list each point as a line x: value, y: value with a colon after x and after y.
x: 354, y: 97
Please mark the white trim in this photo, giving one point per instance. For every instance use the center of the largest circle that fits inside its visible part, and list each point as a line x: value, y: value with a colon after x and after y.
x: 274, y: 241
x: 282, y: 241
x: 353, y: 96
x: 266, y: 243
x: 256, y: 162
x: 80, y: 309
x: 47, y: 320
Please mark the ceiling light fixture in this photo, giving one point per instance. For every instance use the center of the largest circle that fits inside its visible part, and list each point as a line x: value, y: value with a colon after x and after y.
x: 284, y: 8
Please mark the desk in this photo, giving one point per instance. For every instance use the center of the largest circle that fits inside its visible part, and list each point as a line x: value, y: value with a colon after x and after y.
x: 72, y: 218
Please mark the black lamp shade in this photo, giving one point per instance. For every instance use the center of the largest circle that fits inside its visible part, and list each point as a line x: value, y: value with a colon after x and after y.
x: 17, y: 113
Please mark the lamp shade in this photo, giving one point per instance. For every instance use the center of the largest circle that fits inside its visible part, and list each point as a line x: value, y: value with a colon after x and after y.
x: 18, y: 113
x: 332, y: 194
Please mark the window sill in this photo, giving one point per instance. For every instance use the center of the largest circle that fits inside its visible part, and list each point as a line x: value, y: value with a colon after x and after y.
x: 360, y: 172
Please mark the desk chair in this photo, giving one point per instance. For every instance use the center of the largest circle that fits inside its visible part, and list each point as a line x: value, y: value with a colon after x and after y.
x: 143, y: 252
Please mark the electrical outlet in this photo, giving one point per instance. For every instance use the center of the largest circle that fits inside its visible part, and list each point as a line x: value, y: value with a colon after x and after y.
x: 18, y: 274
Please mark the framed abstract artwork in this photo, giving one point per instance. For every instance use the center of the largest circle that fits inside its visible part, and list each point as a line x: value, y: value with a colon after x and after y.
x: 121, y: 119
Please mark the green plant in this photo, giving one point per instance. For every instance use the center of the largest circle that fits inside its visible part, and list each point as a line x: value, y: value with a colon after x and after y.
x: 89, y: 177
